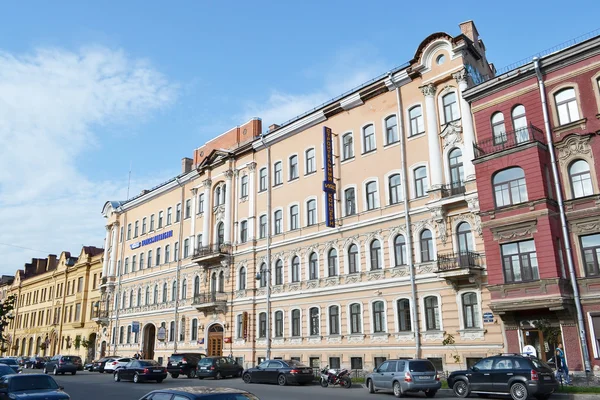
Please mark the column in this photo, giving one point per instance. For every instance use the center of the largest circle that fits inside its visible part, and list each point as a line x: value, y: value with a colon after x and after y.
x: 113, y: 250
x: 467, y: 125
x: 433, y: 137
x: 251, y: 195
x: 193, y: 216
x: 207, y: 212
x: 105, y: 258
x: 229, y: 192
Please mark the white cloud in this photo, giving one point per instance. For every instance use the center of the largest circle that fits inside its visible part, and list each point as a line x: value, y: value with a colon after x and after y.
x: 53, y: 104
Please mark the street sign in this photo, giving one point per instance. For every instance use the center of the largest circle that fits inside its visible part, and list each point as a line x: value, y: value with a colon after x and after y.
x: 488, y: 317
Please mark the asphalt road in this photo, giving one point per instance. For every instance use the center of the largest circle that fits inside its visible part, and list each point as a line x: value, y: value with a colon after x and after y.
x: 95, y: 386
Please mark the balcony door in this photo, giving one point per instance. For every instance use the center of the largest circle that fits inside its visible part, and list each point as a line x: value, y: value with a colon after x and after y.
x: 220, y: 234
x: 465, y: 243
x: 457, y: 175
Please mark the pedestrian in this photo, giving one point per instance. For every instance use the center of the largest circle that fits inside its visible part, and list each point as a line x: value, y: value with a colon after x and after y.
x: 562, y: 370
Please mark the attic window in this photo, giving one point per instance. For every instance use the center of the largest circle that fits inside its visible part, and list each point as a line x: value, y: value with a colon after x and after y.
x: 440, y: 59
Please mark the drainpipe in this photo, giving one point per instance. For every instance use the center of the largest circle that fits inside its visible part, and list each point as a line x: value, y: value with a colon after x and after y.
x: 409, y: 249
x: 117, y: 292
x: 268, y: 289
x: 178, y: 270
x: 563, y: 219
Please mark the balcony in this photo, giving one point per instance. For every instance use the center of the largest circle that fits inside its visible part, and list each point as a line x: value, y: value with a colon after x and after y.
x: 456, y: 267
x: 211, y: 301
x: 213, y: 253
x: 509, y: 140
x: 453, y: 189
x: 100, y: 317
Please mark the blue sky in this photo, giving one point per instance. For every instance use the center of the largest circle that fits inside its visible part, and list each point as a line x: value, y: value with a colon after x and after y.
x: 86, y: 88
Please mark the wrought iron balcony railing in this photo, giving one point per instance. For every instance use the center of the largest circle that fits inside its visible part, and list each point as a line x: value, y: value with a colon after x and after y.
x: 99, y: 314
x: 462, y: 259
x: 453, y: 189
x: 209, y: 298
x: 509, y: 140
x: 213, y: 250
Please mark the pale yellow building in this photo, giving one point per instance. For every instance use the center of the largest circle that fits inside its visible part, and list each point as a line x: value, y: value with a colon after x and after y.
x: 401, y: 271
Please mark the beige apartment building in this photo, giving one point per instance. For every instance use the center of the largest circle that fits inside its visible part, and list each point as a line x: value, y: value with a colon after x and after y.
x: 345, y: 236
x: 56, y: 297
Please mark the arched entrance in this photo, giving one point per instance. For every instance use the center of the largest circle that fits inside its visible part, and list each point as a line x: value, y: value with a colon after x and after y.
x: 149, y: 341
x: 103, y: 349
x: 38, y: 344
x: 23, y: 346
x: 30, y: 348
x: 91, y: 350
x: 215, y: 340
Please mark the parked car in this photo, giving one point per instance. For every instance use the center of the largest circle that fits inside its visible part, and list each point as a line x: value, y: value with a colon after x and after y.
x: 280, y: 372
x: 112, y: 366
x: 99, y: 364
x: 184, y: 364
x: 21, y: 360
x: 404, y: 376
x: 5, y: 370
x: 35, y: 363
x: 218, y: 367
x: 200, y: 392
x: 509, y: 374
x: 140, y: 371
x: 12, y: 363
x: 31, y: 386
x: 60, y: 364
x: 88, y: 366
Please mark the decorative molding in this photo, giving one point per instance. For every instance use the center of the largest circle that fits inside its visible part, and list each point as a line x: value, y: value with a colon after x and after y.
x: 278, y: 341
x: 207, y: 183
x: 516, y: 231
x: 356, y: 338
x: 252, y: 166
x: 352, y: 278
x: 240, y: 293
x: 571, y: 146
x: 314, y: 339
x: 239, y: 342
x: 332, y: 281
x: 428, y: 90
x: 296, y: 340
x: 478, y: 334
x: 404, y: 336
x: 375, y: 275
x: 451, y: 135
x: 312, y: 284
x: 585, y: 227
x: 402, y: 270
x: 426, y: 268
x: 380, y: 337
x: 334, y: 339
x: 228, y: 174
x: 433, y: 336
x: 461, y: 76
x: 351, y: 102
x: 438, y: 215
x: 293, y: 287
x: 261, y: 341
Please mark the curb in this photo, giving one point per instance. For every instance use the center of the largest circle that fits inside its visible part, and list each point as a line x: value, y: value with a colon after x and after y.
x: 555, y: 396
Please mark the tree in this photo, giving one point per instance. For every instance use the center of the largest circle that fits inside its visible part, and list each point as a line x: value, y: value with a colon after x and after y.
x: 6, y: 315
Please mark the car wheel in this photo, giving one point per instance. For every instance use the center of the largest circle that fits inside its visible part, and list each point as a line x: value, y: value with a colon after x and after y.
x: 45, y: 370
x: 518, y: 391
x: 398, y: 392
x: 430, y: 393
x: 461, y: 389
x: 370, y: 386
x: 192, y: 374
x: 55, y: 372
x: 218, y: 375
x: 247, y: 378
x: 117, y: 378
x: 239, y: 373
x: 281, y: 380
x: 136, y: 378
x: 159, y: 381
x: 73, y: 373
x: 200, y: 377
x: 174, y: 376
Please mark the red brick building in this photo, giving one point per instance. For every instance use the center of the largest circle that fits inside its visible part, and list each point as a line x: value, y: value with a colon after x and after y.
x: 527, y: 253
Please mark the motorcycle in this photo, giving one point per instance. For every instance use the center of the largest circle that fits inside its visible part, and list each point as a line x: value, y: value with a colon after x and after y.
x: 335, y: 377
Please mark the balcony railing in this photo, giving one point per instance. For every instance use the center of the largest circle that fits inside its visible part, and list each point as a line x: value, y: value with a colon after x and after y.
x: 453, y: 189
x: 99, y: 314
x: 219, y: 249
x: 460, y: 260
x: 509, y: 140
x: 209, y: 298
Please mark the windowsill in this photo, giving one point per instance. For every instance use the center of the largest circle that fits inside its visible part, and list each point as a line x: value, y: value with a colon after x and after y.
x: 293, y: 179
x: 347, y: 160
x: 186, y: 218
x: 262, y: 191
x: 416, y: 136
x: 277, y: 185
x: 309, y: 173
x: 393, y: 144
x: 366, y: 153
x: 569, y: 125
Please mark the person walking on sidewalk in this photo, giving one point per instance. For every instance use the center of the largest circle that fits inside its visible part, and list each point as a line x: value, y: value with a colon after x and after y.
x: 562, y: 370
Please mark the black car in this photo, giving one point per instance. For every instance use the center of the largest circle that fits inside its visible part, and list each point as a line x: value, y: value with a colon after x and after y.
x: 88, y: 366
x: 508, y: 374
x: 98, y: 365
x: 200, y: 392
x: 12, y: 363
x: 31, y: 386
x: 280, y: 372
x: 6, y: 370
x: 140, y: 371
x: 218, y: 367
x: 184, y: 364
x: 60, y: 364
x: 35, y: 363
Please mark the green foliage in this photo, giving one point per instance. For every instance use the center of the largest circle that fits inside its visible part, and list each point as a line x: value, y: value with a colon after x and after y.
x: 6, y: 315
x: 551, y: 333
x: 85, y: 343
x: 77, y: 341
x: 449, y: 341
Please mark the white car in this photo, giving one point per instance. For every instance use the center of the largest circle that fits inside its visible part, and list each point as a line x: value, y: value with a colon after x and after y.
x: 114, y: 363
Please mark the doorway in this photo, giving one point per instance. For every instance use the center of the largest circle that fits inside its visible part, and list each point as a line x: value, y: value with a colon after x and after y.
x: 149, y: 341
x: 545, y: 347
x: 91, y: 350
x: 103, y: 349
x: 215, y: 341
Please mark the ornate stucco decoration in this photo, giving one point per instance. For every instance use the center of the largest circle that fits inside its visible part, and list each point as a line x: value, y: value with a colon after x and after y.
x: 573, y: 145
x: 525, y: 229
x: 451, y: 135
x: 219, y: 211
x: 400, y: 271
x: 438, y: 215
x: 428, y: 90
x: 585, y: 227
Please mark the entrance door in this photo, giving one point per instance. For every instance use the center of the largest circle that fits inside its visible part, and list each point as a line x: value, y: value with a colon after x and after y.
x: 533, y: 337
x: 103, y: 349
x: 91, y: 356
x: 215, y: 341
x: 149, y: 341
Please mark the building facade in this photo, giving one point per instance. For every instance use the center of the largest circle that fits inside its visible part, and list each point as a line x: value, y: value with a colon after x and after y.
x: 528, y: 255
x: 384, y: 260
x: 55, y: 303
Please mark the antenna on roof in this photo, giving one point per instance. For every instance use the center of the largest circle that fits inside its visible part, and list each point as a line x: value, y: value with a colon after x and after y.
x: 129, y: 179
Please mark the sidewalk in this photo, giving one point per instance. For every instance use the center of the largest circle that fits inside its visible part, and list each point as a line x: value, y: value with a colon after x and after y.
x: 555, y: 396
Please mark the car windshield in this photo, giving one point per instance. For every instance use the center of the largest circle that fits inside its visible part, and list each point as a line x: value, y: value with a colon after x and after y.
x: 6, y: 370
x: 32, y: 382
x: 175, y: 358
x: 8, y: 361
x: 539, y: 363
x: 147, y: 363
x: 206, y: 361
x: 421, y: 366
x: 294, y: 363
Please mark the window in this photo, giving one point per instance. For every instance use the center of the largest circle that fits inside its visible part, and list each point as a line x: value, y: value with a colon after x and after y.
x: 244, y: 231
x: 395, y: 189
x: 126, y: 267
x: 172, y: 331
x: 391, y: 130
x: 296, y: 269
x: 347, y: 147
x: 169, y: 215
x: 160, y: 219
x: 158, y: 256
x: 313, y: 266
x: 174, y: 291
x: 152, y: 223
x: 155, y: 299
x: 311, y: 215
x: 200, y: 203
x: 217, y: 195
x: 379, y: 323
x: 417, y: 124
x: 262, y: 325
x: 404, y: 320
x: 310, y: 161
x: 262, y: 226
x: 465, y: 238
x: 130, y: 299
x: 121, y: 234
x: 350, y: 201
x: 426, y: 246
x: 355, y: 318
x: 213, y: 283
x: 186, y: 248
x: 356, y: 363
x: 519, y: 261
x: 334, y: 362
x: 278, y: 323
x: 178, y: 212
x: 262, y: 180
x: 128, y: 231
x: 332, y: 262
x: 450, y: 107
x: 278, y: 221
x: 566, y: 106
x: 440, y: 59
x: 199, y: 241
x: 244, y: 186
x: 510, y: 187
x: 432, y: 314
x: 293, y: 167
x: 165, y: 297
x: 196, y: 285
x: 375, y: 250
x: 139, y: 297
x: 590, y: 247
x: 147, y: 297
x: 421, y: 184
x: 279, y: 272
x: 294, y: 217
x: 353, y: 259
x: 144, y: 225
x: 188, y: 208
x: 371, y: 191
x: 136, y: 229
x: 457, y: 174
x: 149, y: 259
x: 368, y: 138
x: 470, y: 310
x: 295, y: 322
x: 242, y: 279
x: 519, y: 121
x: 240, y: 326
x: 314, y: 321
x: 498, y: 128
x: 581, y: 180
x: 263, y: 275
x: 399, y: 251
x: 220, y: 233
x: 334, y: 320
x: 194, y: 333
x: 184, y: 289
x: 167, y: 253
x: 277, y: 173
x: 176, y: 251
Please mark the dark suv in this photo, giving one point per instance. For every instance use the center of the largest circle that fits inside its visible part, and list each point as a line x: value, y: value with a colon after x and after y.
x: 218, y: 367
x: 60, y: 364
x: 508, y: 374
x: 184, y: 364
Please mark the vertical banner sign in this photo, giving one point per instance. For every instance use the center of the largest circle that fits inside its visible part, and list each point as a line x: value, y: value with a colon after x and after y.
x: 245, y: 324
x: 328, y: 181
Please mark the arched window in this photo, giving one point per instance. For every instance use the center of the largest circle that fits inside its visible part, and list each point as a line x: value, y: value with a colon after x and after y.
x: 279, y: 272
x: 278, y: 222
x: 465, y: 238
x: 278, y: 323
x: 379, y: 323
x: 296, y: 269
x: 213, y: 283
x: 311, y: 165
x: 355, y: 318
x: 332, y: 262
x: 155, y: 299
x: 399, y: 250
x: 128, y: 333
x: 174, y: 291
x: 262, y: 180
x: 277, y: 173
x: 404, y: 319
x: 165, y: 296
x: 417, y: 124
x: 334, y: 320
x: 296, y: 328
x: 221, y: 282
x: 566, y: 106
x: 218, y: 195
x: 242, y: 279
x: 368, y: 138
x: 395, y: 188
x: 131, y: 298
x: 147, y: 298
x: 353, y: 259
x: 350, y: 201
x: 375, y: 250
x: 371, y: 192
x: 263, y: 275
x: 510, y: 187
x: 182, y: 329
x: 391, y: 130
x: 470, y: 310
x: 315, y: 321
x: 293, y: 167
x: 432, y: 314
x: 498, y: 128
x: 139, y: 298
x: 426, y: 246
x: 457, y: 174
x: 347, y: 147
x: 194, y: 333
x: 172, y: 331
x: 581, y: 179
x: 184, y: 289
x: 220, y: 233
x: 450, y: 107
x: 421, y: 183
x: 519, y: 121
x: 294, y: 217
x: 313, y: 266
x: 311, y: 212
x: 123, y: 299
x: 196, y: 286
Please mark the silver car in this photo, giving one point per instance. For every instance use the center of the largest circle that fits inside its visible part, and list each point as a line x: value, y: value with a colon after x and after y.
x: 403, y: 376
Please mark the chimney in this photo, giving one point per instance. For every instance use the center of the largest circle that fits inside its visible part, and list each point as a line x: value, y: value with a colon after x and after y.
x: 186, y: 165
x: 468, y: 29
x: 51, y: 262
x: 273, y: 127
x: 144, y: 192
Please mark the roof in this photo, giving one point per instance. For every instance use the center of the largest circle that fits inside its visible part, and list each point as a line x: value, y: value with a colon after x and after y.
x: 92, y: 250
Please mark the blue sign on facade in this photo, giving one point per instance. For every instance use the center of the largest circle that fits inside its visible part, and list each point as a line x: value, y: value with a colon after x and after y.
x: 135, y: 327
x: 328, y: 181
x: 151, y: 240
x: 488, y: 317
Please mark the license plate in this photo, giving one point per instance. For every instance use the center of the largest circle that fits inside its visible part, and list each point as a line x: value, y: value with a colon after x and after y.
x: 546, y: 378
x: 157, y: 370
x: 203, y: 367
x: 424, y: 377
x: 306, y: 371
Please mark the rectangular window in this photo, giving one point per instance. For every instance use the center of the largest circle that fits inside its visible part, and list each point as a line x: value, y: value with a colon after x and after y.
x: 311, y: 212
x: 151, y: 222
x: 356, y: 363
x: 368, y: 138
x: 294, y: 217
x: 262, y: 180
x: 244, y: 231
x: 178, y: 213
x: 158, y: 256
x: 350, y: 201
x: 450, y: 107
x: 277, y: 174
x: 293, y: 167
x: 199, y: 241
x: 279, y: 324
x: 77, y: 311
x: 295, y: 322
x: 149, y: 259
x: 188, y: 208
x: 186, y: 248
x: 201, y: 203
x: 590, y: 247
x: 160, y: 219
x: 80, y: 284
x: 334, y: 362
x: 391, y: 130
x: 262, y: 228
x: 176, y: 251
x: 121, y: 235
x: 169, y: 215
x: 240, y: 326
x: 347, y: 147
x: 136, y: 229
x: 128, y: 231
x: 519, y: 261
x: 244, y: 186
x: 417, y: 124
x: 278, y: 222
x: 310, y: 161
